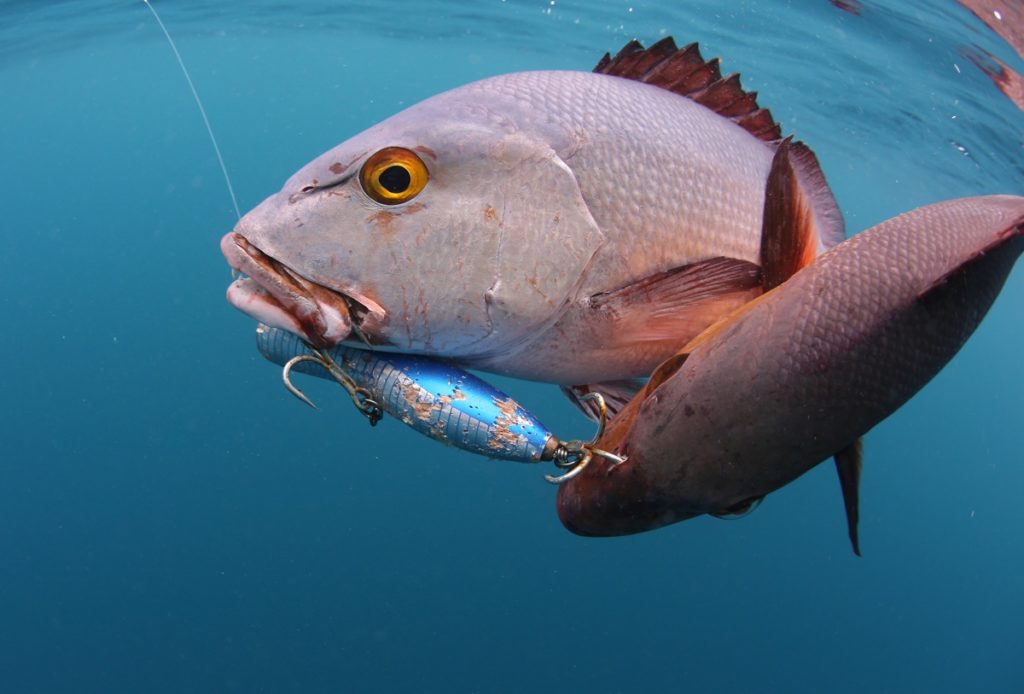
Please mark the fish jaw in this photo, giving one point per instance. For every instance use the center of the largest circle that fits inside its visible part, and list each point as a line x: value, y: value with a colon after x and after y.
x: 276, y: 295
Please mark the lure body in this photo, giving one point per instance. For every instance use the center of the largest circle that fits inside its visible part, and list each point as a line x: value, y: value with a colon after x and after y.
x: 436, y: 399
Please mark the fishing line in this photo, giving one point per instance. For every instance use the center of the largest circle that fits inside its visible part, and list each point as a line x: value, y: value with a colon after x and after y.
x: 199, y: 103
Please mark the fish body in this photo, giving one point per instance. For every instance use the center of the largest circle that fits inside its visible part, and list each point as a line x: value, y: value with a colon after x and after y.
x: 799, y: 374
x: 567, y: 227
x: 438, y: 400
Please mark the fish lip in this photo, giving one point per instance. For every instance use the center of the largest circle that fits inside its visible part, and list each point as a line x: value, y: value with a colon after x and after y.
x: 321, y: 315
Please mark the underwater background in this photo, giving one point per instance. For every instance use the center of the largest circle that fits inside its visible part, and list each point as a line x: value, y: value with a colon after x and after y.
x: 172, y: 520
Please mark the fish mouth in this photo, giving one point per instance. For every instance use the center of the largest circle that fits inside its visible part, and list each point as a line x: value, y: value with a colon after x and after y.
x: 276, y: 295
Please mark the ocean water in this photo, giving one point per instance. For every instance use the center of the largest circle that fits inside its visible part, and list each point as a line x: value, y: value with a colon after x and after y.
x: 172, y: 520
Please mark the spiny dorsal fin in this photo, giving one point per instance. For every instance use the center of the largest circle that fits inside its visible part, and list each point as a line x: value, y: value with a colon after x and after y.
x: 848, y: 465
x: 684, y: 71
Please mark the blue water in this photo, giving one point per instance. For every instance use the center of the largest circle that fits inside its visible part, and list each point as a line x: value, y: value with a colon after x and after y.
x: 171, y: 520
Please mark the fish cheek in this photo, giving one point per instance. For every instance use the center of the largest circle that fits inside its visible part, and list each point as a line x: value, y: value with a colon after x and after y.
x: 384, y: 224
x: 431, y: 266
x: 547, y: 239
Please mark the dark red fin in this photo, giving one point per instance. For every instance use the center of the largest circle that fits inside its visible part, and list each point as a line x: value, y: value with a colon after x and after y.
x: 848, y: 464
x: 792, y: 230
x: 788, y: 239
x: 684, y: 71
x: 828, y: 219
x: 616, y: 394
x: 666, y: 370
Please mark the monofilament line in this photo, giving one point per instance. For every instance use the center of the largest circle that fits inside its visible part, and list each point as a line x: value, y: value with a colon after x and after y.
x: 199, y: 103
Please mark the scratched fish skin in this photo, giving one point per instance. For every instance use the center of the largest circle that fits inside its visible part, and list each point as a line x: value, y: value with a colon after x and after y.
x: 441, y: 401
x: 799, y: 374
x: 576, y: 228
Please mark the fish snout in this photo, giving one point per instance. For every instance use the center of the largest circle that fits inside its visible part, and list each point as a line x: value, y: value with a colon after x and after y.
x: 275, y: 295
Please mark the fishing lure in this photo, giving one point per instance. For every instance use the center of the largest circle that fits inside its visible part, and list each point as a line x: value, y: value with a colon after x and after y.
x: 437, y: 399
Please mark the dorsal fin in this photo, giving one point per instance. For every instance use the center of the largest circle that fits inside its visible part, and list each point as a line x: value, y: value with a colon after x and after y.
x: 684, y: 71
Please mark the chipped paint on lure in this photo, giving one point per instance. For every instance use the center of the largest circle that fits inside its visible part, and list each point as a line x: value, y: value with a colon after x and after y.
x: 441, y: 401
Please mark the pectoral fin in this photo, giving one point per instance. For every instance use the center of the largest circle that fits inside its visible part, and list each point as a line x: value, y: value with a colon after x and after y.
x: 674, y: 305
x: 848, y: 465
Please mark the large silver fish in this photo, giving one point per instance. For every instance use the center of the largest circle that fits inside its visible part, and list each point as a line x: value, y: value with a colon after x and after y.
x: 568, y: 227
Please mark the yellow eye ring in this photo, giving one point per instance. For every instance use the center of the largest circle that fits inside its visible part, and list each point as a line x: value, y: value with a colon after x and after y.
x: 393, y: 175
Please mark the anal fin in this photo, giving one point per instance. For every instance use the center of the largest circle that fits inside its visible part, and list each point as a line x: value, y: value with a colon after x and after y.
x: 848, y: 465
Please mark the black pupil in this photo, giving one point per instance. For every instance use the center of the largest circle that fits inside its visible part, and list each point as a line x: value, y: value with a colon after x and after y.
x: 395, y: 179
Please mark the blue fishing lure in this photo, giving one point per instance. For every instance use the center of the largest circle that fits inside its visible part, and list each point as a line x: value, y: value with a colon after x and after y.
x: 434, y: 398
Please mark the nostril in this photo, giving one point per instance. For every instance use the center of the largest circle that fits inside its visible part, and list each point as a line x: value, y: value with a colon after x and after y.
x: 304, y: 191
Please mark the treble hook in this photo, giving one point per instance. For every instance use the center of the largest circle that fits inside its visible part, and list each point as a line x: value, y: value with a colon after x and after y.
x: 361, y: 397
x: 575, y: 456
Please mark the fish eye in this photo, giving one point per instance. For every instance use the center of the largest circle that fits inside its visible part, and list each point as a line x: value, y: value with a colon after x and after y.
x: 393, y: 175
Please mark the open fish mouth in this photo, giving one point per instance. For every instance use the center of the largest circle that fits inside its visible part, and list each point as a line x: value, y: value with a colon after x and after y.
x: 276, y: 295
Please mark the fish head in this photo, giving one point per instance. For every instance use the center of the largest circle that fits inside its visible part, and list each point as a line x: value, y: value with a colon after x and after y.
x: 451, y: 228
